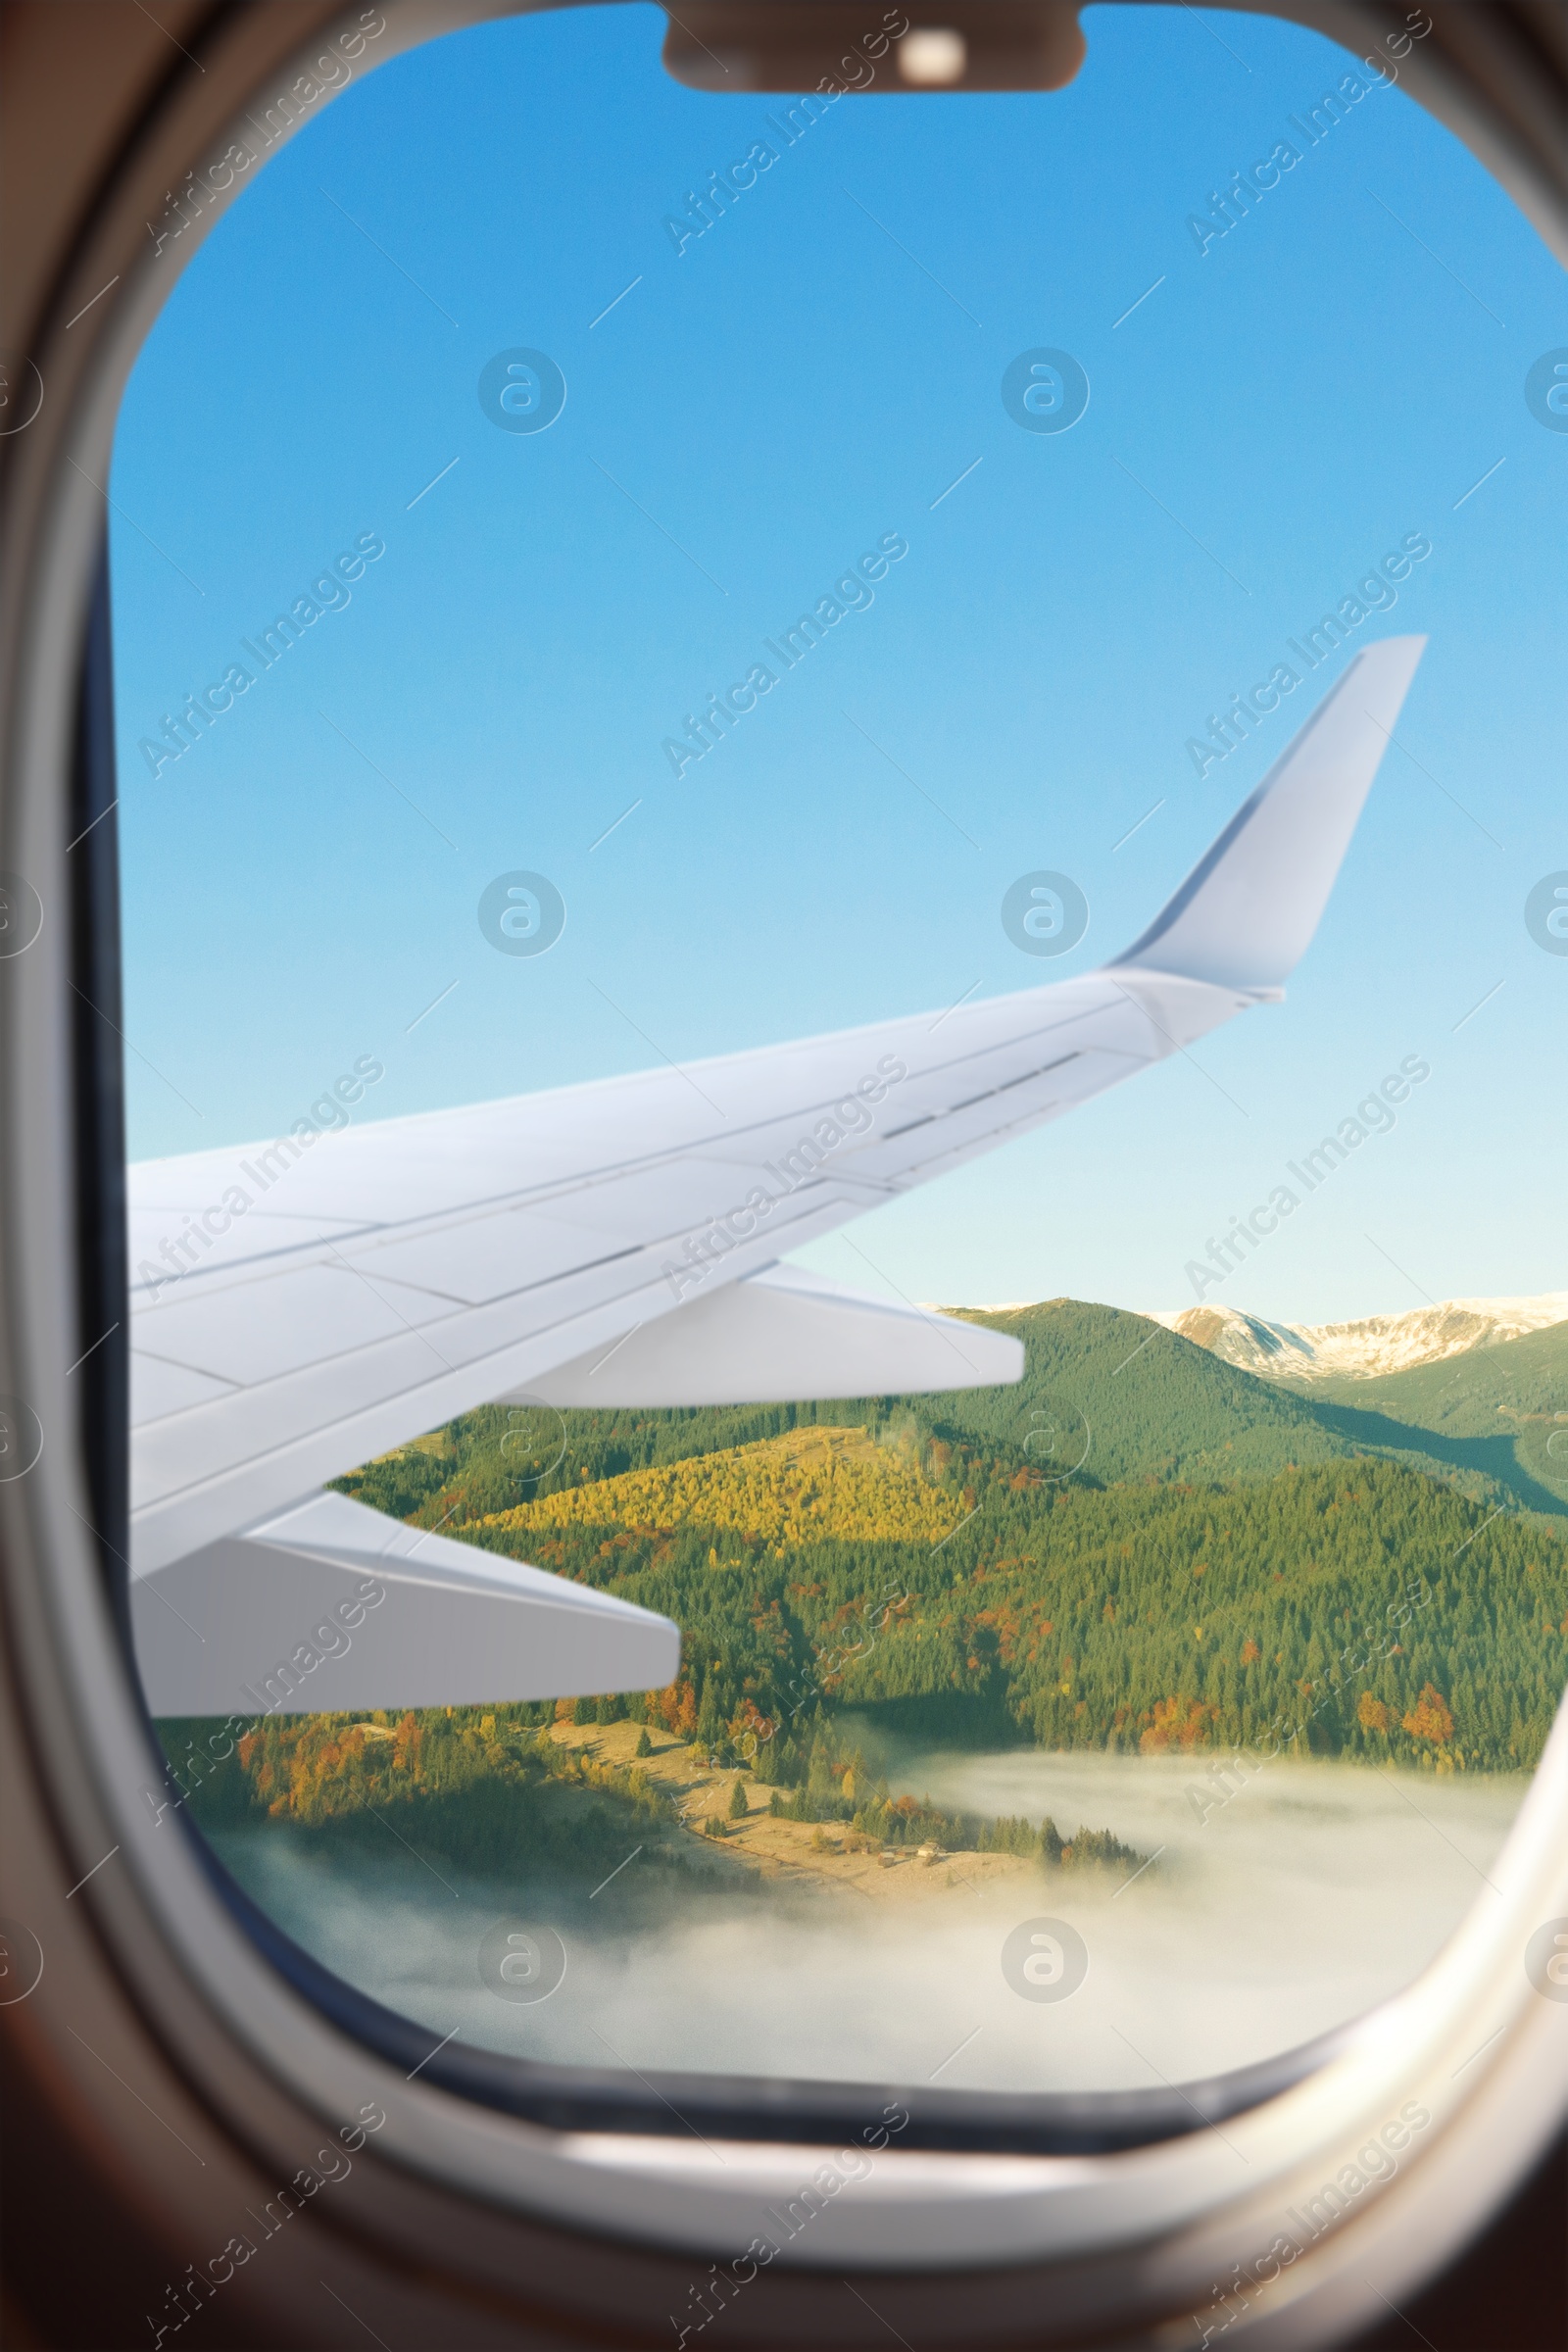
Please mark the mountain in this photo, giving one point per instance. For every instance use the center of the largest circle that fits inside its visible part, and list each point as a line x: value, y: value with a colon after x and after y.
x: 1502, y: 1410
x: 1158, y: 1403
x: 1368, y: 1349
x: 1524, y: 1380
x: 1117, y: 1396
x: 1140, y: 1546
x: 1106, y: 1398
x: 1476, y: 1388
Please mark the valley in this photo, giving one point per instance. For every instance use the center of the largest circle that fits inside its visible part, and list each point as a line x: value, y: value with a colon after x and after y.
x: 949, y: 1662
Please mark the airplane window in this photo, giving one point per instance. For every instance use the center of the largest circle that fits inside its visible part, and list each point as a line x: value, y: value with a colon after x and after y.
x: 842, y: 902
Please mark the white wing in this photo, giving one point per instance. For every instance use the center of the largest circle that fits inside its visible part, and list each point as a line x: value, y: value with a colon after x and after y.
x: 615, y: 1243
x: 334, y: 1607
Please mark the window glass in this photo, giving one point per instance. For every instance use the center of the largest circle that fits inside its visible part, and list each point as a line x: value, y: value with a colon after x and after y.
x: 1022, y: 471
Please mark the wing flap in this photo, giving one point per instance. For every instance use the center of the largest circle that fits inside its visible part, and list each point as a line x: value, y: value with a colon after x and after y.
x: 779, y: 1335
x: 333, y: 1607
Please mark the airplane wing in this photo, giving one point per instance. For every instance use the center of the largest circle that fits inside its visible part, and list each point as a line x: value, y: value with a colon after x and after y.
x: 299, y: 1307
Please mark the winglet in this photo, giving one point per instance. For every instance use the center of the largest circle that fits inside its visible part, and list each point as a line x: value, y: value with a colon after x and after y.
x: 1246, y: 913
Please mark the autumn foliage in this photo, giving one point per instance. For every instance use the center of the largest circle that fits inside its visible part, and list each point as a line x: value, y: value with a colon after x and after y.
x: 1430, y: 1719
x: 781, y: 1491
x: 1177, y: 1723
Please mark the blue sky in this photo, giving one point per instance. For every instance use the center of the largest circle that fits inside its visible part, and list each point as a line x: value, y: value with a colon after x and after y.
x: 761, y: 409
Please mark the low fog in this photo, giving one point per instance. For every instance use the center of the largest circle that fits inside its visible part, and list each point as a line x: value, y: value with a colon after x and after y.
x: 1315, y: 1893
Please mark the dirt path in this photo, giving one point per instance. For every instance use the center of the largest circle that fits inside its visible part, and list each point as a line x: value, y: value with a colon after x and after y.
x: 793, y: 1852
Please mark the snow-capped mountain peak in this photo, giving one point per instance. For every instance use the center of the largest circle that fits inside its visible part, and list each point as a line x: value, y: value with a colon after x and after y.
x: 1365, y: 1350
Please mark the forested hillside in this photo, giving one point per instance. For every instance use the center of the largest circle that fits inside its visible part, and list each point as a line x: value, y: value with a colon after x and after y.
x: 782, y: 1493
x: 1352, y: 1608
x: 495, y: 1786
x: 1500, y: 1410
x: 1484, y: 1420
x: 1133, y: 1400
x: 914, y: 1565
x: 482, y: 1785
x: 1151, y: 1402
